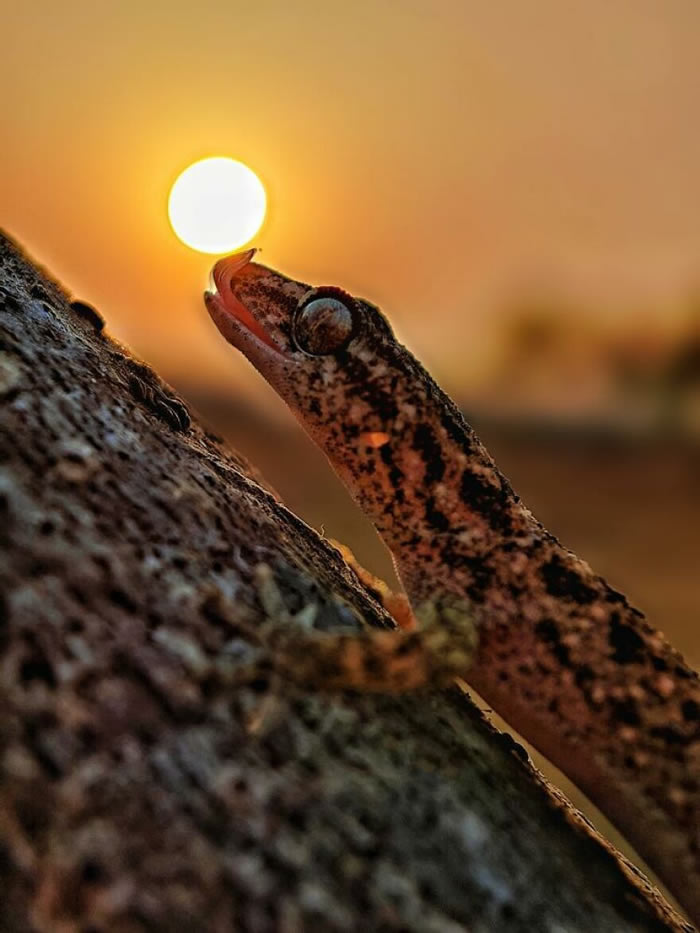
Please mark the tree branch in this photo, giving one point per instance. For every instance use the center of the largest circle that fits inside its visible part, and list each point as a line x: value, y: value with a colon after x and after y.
x: 140, y: 788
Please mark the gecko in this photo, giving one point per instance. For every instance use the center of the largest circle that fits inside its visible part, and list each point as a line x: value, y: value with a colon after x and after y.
x: 500, y: 603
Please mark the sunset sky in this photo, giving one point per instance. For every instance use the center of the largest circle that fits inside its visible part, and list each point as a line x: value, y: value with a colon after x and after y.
x: 442, y: 158
x: 436, y: 156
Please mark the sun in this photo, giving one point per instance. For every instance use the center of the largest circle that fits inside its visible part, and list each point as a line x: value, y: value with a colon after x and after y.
x: 217, y: 205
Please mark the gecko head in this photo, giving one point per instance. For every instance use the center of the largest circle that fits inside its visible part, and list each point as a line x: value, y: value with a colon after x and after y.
x: 332, y: 357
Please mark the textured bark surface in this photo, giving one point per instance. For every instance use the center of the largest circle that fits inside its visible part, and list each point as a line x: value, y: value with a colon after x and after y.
x: 140, y: 787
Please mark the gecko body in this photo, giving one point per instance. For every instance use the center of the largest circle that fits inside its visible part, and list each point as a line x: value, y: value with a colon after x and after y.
x: 548, y: 643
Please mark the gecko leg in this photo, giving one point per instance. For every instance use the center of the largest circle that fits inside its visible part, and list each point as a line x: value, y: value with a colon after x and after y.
x: 373, y: 661
x: 395, y: 603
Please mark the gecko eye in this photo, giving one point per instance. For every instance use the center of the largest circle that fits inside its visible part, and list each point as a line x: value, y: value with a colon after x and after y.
x: 323, y: 325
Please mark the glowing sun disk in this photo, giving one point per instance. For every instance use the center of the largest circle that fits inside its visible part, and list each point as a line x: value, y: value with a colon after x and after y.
x: 216, y: 205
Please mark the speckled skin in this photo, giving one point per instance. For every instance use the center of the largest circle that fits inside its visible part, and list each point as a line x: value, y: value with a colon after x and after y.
x: 561, y: 655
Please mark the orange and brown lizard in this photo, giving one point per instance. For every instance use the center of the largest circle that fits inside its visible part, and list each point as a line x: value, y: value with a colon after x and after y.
x: 549, y: 644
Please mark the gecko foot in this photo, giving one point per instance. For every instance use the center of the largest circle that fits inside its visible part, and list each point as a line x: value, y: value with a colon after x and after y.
x: 373, y: 661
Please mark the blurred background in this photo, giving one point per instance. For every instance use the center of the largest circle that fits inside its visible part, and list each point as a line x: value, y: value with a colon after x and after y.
x: 516, y: 184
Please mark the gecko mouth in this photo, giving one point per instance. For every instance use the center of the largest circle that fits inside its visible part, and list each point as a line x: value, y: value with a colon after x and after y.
x: 228, y: 312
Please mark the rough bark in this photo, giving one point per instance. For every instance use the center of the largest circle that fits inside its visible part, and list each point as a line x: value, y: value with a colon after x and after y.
x: 140, y: 787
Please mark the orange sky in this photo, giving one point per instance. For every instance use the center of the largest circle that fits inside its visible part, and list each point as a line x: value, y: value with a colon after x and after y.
x: 434, y: 155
